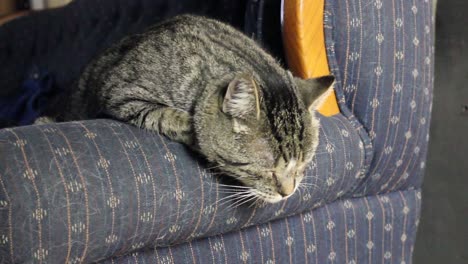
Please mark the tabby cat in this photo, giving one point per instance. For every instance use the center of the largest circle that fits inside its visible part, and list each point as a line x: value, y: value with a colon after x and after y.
x: 203, y: 83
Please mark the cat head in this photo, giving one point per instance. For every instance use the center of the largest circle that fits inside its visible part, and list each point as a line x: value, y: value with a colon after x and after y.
x: 260, y: 131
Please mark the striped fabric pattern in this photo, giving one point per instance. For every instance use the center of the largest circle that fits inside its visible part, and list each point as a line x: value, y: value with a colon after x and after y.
x: 383, y: 56
x: 84, y: 191
x: 378, y: 229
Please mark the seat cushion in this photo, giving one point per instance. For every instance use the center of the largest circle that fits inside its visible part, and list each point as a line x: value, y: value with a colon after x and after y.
x: 376, y: 229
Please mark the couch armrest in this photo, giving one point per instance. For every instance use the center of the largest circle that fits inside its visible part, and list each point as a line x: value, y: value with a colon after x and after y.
x: 93, y: 189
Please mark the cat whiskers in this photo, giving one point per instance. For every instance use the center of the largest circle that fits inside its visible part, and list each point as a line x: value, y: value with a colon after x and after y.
x: 239, y: 194
x: 243, y: 200
x: 226, y: 199
x: 234, y: 199
x: 307, y: 177
x: 232, y: 190
x: 321, y: 152
x: 234, y: 186
x: 307, y: 184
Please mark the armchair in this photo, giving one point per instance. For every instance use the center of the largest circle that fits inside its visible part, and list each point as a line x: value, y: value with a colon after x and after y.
x: 103, y: 191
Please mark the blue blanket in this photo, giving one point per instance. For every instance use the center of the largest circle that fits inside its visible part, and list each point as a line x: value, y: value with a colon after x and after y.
x: 30, y: 102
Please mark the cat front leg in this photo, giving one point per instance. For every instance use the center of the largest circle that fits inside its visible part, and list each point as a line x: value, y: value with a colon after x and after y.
x: 173, y: 123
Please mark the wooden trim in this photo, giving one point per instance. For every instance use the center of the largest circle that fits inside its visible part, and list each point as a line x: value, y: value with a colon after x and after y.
x: 8, y: 18
x: 304, y: 42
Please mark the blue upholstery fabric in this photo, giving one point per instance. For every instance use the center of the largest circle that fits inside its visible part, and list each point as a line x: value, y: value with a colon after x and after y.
x: 383, y: 59
x: 99, y: 188
x: 378, y: 229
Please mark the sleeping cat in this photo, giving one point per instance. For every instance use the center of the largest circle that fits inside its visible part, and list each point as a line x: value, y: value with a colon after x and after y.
x: 203, y: 83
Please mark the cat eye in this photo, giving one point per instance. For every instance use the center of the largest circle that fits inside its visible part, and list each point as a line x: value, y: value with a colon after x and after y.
x: 239, y: 163
x: 233, y: 163
x: 275, y: 178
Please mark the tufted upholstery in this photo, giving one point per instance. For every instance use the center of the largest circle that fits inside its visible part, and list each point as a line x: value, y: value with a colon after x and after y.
x: 103, y: 191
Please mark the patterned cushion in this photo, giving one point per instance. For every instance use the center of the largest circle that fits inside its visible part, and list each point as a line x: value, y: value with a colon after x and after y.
x: 382, y: 54
x: 378, y: 229
x: 97, y: 188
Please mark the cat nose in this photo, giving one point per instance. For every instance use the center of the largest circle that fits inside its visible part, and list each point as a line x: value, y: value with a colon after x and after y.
x: 285, y: 186
x: 286, y: 190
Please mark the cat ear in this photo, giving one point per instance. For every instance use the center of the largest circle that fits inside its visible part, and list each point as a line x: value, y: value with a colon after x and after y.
x: 241, y: 97
x: 313, y: 92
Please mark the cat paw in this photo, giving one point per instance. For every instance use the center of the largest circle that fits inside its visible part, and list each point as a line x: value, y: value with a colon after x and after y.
x: 44, y: 120
x: 173, y: 123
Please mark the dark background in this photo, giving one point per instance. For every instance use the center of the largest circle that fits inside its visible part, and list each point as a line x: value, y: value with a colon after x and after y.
x: 443, y: 231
